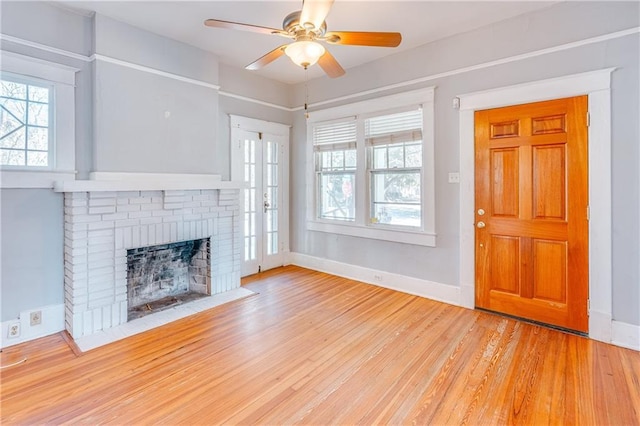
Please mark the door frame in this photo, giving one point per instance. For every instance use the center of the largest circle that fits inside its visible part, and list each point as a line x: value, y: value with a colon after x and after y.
x: 597, y: 86
x: 239, y: 123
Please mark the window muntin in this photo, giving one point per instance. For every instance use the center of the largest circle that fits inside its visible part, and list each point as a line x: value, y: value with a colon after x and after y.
x: 26, y: 124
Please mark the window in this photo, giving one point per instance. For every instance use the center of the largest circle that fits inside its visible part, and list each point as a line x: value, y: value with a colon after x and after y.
x: 395, y: 156
x: 25, y: 123
x: 335, y: 146
x: 373, y: 169
x: 37, y: 122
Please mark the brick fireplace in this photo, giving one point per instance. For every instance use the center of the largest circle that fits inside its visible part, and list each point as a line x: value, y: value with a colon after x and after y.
x: 105, y: 219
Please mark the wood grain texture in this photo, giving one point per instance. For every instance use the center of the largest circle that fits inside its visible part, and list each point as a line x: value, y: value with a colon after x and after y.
x: 538, y: 192
x: 310, y: 348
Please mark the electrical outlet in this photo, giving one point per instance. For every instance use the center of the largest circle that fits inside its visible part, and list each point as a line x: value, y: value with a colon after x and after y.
x: 377, y: 277
x: 14, y: 330
x: 36, y: 318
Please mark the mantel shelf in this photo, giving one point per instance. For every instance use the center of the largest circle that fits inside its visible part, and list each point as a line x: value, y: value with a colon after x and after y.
x: 144, y: 182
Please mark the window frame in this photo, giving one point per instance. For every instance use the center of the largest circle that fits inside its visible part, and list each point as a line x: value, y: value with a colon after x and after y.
x: 425, y: 235
x: 61, y: 80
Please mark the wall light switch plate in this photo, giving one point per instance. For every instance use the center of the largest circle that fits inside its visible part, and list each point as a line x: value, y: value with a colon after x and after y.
x: 454, y: 177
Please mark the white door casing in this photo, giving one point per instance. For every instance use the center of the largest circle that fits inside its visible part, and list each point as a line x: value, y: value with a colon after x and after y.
x: 597, y: 85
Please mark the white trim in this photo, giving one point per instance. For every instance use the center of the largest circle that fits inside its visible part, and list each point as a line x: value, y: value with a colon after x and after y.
x: 45, y: 47
x: 137, y: 67
x: 255, y: 125
x: 38, y: 68
x: 397, y: 235
x: 596, y: 85
x: 257, y: 101
x: 361, y: 227
x: 141, y: 185
x: 424, y: 288
x: 33, y: 178
x: 625, y: 335
x: 144, y: 177
x: 52, y: 322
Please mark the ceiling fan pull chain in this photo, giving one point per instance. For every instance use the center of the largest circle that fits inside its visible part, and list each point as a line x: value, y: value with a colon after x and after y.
x: 306, y: 93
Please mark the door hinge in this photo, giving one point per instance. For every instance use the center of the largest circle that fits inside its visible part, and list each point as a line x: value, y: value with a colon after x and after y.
x: 260, y: 135
x: 259, y: 268
x: 588, y: 213
x: 588, y: 306
x: 588, y: 119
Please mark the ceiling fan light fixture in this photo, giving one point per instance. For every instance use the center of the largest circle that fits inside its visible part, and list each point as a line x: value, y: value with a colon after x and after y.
x: 304, y: 53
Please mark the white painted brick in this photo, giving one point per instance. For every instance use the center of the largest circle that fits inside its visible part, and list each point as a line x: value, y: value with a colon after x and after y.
x: 192, y: 204
x: 128, y: 194
x: 102, y: 194
x: 97, y: 319
x: 99, y: 248
x: 102, y: 209
x: 159, y: 234
x: 100, y: 233
x: 122, y: 202
x: 162, y: 213
x: 128, y: 237
x: 183, y: 211
x: 101, y: 240
x: 105, y: 224
x: 135, y: 235
x: 200, y: 197
x: 77, y: 195
x: 75, y: 210
x: 77, y: 260
x: 151, y: 206
x: 76, y: 227
x: 101, y: 263
x: 128, y: 208
x: 174, y: 199
x: 232, y: 208
x: 192, y: 217
x: 150, y: 220
x: 123, y: 311
x: 201, y: 210
x: 86, y: 218
x: 139, y: 200
x: 115, y: 315
x: 174, y: 232
x: 139, y: 214
x: 106, y: 317
x: 76, y: 242
x: 97, y: 202
x: 121, y: 275
x: 101, y: 294
x: 115, y: 216
x: 98, y: 256
x: 170, y: 219
x: 87, y: 323
x: 174, y: 192
x: 173, y: 206
x: 151, y: 194
x: 119, y: 239
x: 126, y: 222
x: 191, y: 193
x: 144, y: 236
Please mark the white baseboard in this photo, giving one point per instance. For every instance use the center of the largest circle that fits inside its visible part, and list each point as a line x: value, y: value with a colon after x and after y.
x: 600, y: 326
x: 52, y: 322
x: 625, y: 335
x: 416, y: 286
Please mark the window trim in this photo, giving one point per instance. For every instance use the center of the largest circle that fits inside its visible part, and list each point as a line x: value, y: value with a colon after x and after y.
x: 62, y: 80
x: 425, y: 235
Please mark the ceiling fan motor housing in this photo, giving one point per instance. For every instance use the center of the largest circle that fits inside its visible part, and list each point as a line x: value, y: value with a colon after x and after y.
x: 293, y: 26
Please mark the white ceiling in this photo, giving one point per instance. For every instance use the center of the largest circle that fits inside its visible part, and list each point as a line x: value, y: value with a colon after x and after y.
x: 420, y: 22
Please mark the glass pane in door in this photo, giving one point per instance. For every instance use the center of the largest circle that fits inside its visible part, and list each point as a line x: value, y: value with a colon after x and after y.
x: 271, y: 195
x: 250, y: 252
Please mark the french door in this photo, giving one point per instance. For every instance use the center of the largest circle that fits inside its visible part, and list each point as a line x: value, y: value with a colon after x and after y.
x: 260, y: 160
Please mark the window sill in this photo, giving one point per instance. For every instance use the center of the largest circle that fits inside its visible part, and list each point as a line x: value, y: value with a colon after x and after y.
x: 406, y: 237
x: 31, y: 179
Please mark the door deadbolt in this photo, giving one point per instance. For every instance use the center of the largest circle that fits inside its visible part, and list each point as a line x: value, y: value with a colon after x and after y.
x: 480, y: 212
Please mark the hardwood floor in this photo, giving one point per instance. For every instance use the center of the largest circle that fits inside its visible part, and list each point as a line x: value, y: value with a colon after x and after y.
x: 311, y: 348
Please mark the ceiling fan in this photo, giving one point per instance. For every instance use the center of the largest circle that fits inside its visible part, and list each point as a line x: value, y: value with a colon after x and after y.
x: 307, y: 27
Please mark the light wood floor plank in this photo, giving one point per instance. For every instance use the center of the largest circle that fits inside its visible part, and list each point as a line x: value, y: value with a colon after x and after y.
x: 311, y: 348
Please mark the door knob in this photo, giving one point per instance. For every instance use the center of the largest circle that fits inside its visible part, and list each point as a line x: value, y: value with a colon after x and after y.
x: 480, y: 224
x: 266, y: 206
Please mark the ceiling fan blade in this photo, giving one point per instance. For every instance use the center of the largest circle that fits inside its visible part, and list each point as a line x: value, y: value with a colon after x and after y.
x: 243, y: 27
x: 330, y: 66
x: 267, y: 59
x: 363, y: 38
x: 315, y: 12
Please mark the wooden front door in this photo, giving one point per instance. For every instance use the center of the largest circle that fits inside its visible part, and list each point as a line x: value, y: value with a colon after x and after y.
x: 531, y: 191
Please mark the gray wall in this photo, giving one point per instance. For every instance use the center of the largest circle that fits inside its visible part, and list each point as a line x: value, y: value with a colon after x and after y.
x: 145, y: 122
x: 563, y: 23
